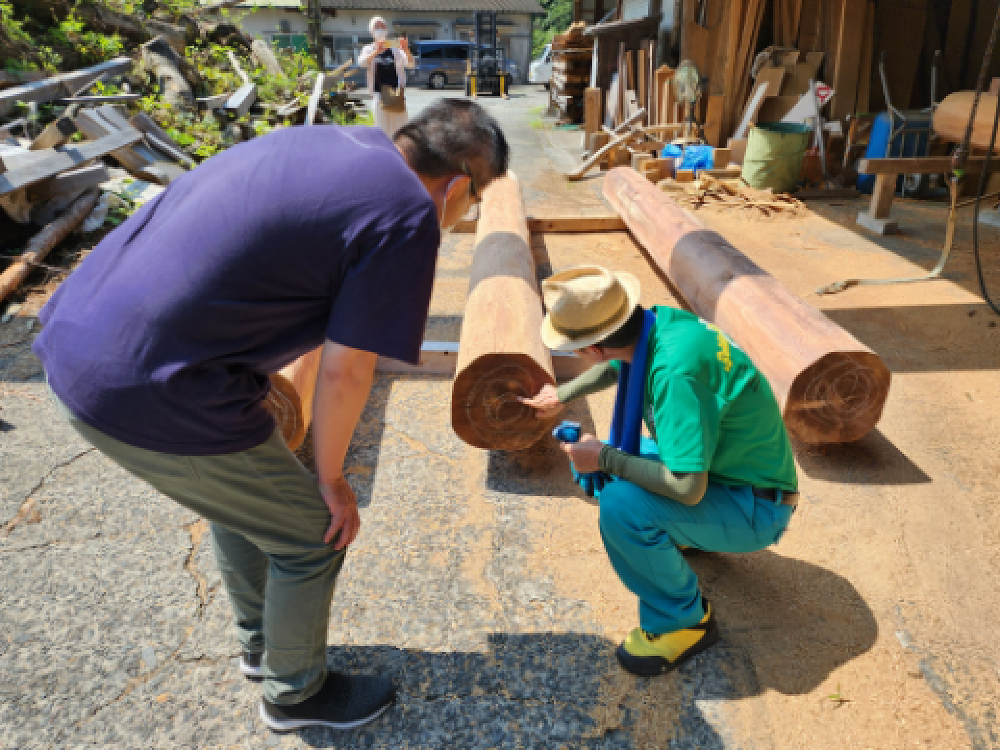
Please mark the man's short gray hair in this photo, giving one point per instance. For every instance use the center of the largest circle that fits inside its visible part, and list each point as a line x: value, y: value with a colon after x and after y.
x: 451, y: 133
x: 371, y: 23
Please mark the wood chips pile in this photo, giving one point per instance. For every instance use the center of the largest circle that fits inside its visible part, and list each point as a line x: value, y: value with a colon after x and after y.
x: 709, y: 192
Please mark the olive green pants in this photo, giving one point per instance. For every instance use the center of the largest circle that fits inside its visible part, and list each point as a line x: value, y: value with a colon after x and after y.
x: 268, y: 520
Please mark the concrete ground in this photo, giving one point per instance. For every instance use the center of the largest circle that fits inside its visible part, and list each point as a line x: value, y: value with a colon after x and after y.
x: 479, y: 582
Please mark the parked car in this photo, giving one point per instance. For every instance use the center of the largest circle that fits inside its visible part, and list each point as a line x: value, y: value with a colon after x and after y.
x: 441, y: 62
x: 540, y: 70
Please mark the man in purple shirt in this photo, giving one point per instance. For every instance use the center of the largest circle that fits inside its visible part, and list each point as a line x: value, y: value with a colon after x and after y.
x: 158, y: 349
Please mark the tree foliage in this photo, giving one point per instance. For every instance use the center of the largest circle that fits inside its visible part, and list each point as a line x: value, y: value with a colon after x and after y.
x: 559, y: 15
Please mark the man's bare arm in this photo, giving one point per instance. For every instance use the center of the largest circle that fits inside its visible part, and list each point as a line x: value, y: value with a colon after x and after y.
x: 342, y: 388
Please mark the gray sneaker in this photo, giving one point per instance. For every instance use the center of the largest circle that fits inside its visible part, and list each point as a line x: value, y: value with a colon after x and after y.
x: 344, y: 702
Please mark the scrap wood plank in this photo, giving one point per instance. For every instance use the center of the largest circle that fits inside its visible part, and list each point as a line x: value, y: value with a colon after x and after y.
x: 159, y: 138
x: 239, y: 103
x: 57, y: 133
x: 48, y: 163
x: 212, y: 103
x: 139, y: 158
x: 98, y: 99
x: 60, y: 85
x: 70, y: 181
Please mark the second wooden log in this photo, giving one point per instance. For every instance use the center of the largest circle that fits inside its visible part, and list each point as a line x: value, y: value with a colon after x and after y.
x: 290, y: 400
x: 831, y: 388
x: 501, y: 355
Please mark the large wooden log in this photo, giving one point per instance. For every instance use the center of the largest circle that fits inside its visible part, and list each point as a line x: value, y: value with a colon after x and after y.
x: 501, y: 354
x: 830, y: 386
x: 291, y: 398
x: 951, y: 118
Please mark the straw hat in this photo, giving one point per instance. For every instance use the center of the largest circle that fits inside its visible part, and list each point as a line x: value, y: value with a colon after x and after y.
x: 586, y: 304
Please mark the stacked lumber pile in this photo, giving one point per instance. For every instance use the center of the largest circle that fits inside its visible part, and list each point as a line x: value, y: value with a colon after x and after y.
x: 828, y: 41
x: 572, y: 55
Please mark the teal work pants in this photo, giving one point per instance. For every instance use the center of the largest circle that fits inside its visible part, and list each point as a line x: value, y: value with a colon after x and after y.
x: 642, y: 531
x: 267, y: 520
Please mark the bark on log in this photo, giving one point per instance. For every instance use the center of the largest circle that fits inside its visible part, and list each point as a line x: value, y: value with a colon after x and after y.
x: 501, y: 354
x: 952, y: 117
x: 40, y: 245
x: 831, y: 388
x: 291, y: 398
x: 167, y: 66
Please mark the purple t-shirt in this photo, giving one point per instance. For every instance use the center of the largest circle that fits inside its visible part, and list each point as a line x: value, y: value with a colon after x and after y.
x: 164, y: 335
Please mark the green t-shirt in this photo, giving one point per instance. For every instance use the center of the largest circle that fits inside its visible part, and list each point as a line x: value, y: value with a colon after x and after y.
x: 709, y: 408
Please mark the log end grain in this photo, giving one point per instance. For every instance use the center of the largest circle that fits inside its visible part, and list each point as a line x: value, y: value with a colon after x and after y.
x: 485, y: 410
x: 837, y: 399
x: 285, y: 406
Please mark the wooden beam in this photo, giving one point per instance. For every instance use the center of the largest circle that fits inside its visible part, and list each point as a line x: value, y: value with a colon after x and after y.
x: 921, y: 165
x: 60, y: 85
x: 501, y: 355
x: 831, y: 388
x: 51, y: 162
x: 573, y: 224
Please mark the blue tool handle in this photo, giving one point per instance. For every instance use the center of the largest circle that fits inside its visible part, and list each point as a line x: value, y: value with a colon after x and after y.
x: 567, y: 432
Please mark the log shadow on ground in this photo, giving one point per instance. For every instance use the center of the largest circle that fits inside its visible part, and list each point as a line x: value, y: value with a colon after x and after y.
x: 872, y: 460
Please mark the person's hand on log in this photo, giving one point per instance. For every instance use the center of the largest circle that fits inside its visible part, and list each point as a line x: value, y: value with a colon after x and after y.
x: 343, y: 505
x: 546, y: 402
x: 585, y: 453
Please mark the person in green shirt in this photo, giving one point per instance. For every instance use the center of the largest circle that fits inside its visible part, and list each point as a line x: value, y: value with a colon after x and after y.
x: 718, y: 474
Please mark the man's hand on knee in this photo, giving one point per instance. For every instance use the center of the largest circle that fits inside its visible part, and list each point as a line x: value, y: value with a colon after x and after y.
x: 344, y: 518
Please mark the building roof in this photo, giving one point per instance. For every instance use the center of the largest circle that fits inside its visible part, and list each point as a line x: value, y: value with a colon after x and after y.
x: 438, y: 6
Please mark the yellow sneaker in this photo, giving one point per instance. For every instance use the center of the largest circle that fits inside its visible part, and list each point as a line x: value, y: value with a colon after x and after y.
x: 646, y: 654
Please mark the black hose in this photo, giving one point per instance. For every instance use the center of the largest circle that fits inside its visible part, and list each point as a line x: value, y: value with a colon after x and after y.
x: 983, y: 178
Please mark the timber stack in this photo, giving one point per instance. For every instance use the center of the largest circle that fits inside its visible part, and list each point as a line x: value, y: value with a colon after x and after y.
x: 572, y: 55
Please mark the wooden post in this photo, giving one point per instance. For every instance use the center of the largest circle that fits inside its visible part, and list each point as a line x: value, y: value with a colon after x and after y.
x: 831, y: 388
x: 501, y: 355
x: 592, y: 110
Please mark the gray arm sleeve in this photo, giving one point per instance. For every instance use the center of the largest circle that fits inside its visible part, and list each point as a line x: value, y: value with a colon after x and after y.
x: 597, y: 378
x: 685, y: 488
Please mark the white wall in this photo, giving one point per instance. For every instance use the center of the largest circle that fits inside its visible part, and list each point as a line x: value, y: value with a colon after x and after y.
x: 262, y: 23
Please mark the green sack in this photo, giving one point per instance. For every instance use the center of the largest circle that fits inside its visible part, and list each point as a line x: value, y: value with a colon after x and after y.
x: 774, y: 154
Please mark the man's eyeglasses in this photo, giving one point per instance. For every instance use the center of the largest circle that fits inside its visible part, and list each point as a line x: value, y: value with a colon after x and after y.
x: 472, y: 182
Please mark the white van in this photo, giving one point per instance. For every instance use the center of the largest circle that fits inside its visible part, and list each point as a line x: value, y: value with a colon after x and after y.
x: 540, y: 70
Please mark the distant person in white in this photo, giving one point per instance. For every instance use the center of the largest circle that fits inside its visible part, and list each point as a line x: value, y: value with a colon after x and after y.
x: 386, y: 66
